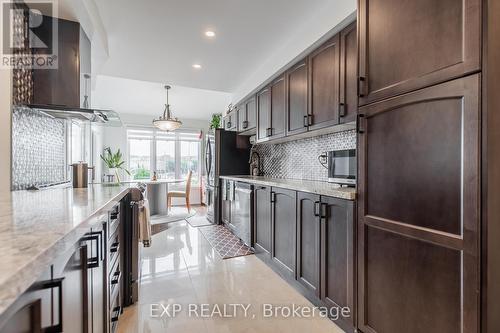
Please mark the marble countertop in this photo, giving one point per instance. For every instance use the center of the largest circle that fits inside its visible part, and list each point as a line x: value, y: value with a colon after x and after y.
x: 149, y: 181
x: 37, y: 226
x: 310, y: 186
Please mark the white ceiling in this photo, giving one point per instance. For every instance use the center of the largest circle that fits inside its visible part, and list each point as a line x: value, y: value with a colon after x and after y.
x: 138, y: 45
x: 147, y: 99
x: 159, y: 40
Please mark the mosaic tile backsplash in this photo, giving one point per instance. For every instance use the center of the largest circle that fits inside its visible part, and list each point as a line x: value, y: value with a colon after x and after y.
x: 38, y: 148
x: 299, y: 159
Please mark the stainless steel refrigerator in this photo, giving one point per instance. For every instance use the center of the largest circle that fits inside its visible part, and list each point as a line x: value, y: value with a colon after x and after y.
x: 226, y: 154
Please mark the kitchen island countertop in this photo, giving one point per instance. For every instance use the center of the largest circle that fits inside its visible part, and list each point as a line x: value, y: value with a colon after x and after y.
x: 310, y: 186
x: 37, y: 226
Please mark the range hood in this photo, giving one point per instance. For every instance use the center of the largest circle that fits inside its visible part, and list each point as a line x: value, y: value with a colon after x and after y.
x: 95, y: 116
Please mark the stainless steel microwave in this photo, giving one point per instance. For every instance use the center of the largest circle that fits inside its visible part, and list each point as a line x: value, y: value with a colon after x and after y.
x: 342, y: 167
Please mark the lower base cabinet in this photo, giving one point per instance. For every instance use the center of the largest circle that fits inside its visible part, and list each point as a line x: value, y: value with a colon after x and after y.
x: 338, y: 258
x: 283, y: 230
x: 79, y: 292
x: 262, y: 220
x: 311, y: 242
x: 325, y: 253
x: 308, y: 242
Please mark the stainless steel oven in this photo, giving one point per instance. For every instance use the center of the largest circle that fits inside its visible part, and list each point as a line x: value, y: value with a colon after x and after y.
x: 342, y: 167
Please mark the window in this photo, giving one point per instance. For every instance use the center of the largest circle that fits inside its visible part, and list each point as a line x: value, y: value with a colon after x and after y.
x: 171, y: 155
x: 165, y: 159
x: 139, y: 153
x: 190, y: 152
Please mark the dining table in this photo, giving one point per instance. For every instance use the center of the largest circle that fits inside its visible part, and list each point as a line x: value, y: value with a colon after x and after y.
x: 156, y: 193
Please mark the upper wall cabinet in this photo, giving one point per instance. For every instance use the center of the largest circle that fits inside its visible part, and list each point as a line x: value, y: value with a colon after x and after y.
x: 231, y: 120
x: 348, y: 104
x: 278, y: 108
x: 64, y: 86
x: 297, y: 115
x: 424, y: 43
x: 247, y: 117
x: 324, y: 69
x: 263, y: 114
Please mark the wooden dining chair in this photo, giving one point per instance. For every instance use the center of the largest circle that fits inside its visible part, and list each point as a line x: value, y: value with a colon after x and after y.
x: 181, y: 194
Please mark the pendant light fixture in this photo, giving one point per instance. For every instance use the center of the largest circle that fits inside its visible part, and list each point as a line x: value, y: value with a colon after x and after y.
x: 167, y: 122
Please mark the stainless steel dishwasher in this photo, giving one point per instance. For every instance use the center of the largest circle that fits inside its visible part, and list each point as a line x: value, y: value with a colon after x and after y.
x: 242, y: 212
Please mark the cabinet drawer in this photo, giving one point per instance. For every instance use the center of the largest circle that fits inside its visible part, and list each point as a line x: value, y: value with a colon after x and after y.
x: 114, y: 248
x: 114, y: 280
x: 113, y: 226
x: 114, y: 313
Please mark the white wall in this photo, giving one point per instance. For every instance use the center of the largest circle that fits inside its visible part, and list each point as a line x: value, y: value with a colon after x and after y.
x: 5, y: 131
x: 312, y: 34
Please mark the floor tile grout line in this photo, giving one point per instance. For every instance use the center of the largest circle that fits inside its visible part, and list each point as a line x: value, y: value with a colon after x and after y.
x: 190, y: 277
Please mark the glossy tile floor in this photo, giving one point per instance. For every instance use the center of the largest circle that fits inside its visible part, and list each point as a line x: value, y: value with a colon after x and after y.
x: 181, y: 268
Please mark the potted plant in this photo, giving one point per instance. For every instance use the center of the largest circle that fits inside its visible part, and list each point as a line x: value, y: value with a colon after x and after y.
x: 114, y: 162
x: 216, y: 121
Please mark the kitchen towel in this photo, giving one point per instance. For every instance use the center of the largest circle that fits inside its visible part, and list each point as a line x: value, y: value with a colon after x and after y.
x: 144, y: 223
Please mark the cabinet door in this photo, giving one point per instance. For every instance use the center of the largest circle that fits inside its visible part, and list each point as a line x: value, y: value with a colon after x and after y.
x: 324, y: 67
x: 408, y: 45
x: 263, y: 114
x: 251, y: 113
x: 262, y: 214
x: 418, y: 211
x: 242, y: 118
x: 297, y: 118
x: 337, y: 257
x: 233, y: 120
x: 32, y: 311
x: 348, y: 107
x: 73, y: 268
x: 308, y: 241
x: 284, y: 230
x: 227, y: 122
x: 278, y: 108
x: 98, y: 279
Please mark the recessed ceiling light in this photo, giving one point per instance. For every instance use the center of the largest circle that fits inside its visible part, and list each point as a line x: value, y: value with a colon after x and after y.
x: 210, y: 33
x: 196, y: 66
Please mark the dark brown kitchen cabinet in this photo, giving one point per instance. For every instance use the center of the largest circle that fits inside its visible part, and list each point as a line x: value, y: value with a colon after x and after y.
x: 408, y: 45
x: 66, y: 85
x: 418, y: 215
x: 32, y: 312
x: 231, y: 120
x: 278, y: 108
x: 97, y: 277
x: 247, y: 116
x: 297, y: 116
x: 73, y: 268
x: 283, y: 232
x: 348, y: 94
x: 308, y: 242
x: 337, y: 257
x: 324, y: 75
x: 262, y: 216
x: 263, y: 114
